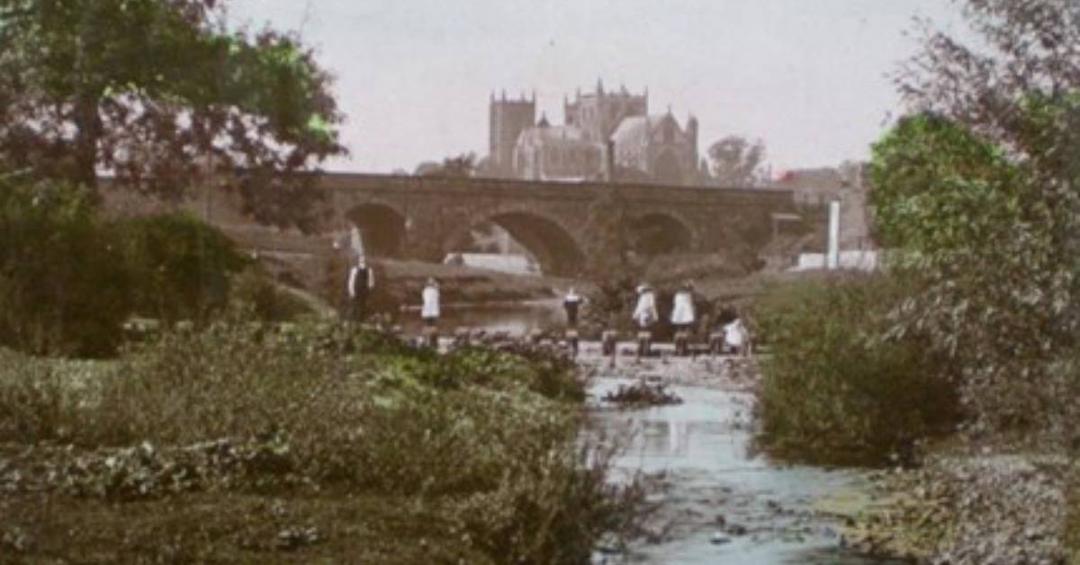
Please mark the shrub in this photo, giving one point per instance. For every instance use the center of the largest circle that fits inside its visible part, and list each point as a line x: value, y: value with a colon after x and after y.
x: 258, y: 297
x: 181, y: 265
x: 833, y: 391
x: 63, y: 286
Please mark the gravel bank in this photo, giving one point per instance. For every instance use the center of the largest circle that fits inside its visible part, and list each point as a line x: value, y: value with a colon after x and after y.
x: 969, y: 509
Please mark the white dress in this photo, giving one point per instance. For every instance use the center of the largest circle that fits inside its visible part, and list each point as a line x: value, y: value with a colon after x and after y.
x: 645, y: 311
x: 735, y: 333
x: 430, y: 308
x: 682, y: 313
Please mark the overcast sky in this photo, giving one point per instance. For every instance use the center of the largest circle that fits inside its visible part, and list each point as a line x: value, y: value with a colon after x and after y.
x: 414, y: 76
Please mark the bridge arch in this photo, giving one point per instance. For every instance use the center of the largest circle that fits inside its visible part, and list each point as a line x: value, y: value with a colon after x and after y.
x: 658, y: 233
x: 382, y: 226
x: 546, y: 239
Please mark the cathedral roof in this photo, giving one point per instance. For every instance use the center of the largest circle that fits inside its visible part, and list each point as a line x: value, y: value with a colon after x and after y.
x: 553, y: 136
x: 636, y: 129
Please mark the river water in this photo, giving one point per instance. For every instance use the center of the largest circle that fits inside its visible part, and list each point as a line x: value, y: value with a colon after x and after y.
x: 718, y: 502
x: 515, y: 319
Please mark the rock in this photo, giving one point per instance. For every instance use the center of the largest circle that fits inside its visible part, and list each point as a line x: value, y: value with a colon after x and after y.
x: 719, y: 539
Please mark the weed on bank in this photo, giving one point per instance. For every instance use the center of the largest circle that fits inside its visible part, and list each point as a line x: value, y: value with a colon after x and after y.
x: 473, y: 455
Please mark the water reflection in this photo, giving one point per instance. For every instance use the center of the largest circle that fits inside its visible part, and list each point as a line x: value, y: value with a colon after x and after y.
x: 515, y: 319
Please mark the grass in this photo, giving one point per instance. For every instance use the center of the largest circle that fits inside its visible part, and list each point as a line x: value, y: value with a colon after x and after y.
x: 261, y: 442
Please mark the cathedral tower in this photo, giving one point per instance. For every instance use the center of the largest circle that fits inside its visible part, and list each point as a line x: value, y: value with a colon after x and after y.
x: 508, y: 118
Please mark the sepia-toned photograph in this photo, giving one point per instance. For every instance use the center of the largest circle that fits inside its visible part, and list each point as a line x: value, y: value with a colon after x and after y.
x: 568, y: 282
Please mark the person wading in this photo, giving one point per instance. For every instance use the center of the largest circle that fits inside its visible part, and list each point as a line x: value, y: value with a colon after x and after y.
x: 360, y: 284
x: 737, y: 337
x: 682, y: 317
x: 645, y: 316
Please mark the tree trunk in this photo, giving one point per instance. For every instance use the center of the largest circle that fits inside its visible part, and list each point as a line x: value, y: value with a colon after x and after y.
x: 88, y: 130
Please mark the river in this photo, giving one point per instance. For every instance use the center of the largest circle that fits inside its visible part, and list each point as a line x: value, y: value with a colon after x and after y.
x: 719, y: 503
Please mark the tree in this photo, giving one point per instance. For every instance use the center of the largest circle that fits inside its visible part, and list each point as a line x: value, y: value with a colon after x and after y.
x: 461, y: 166
x: 737, y: 162
x: 979, y: 191
x: 159, y: 94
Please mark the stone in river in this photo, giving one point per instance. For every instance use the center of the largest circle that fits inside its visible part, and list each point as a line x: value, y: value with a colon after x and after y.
x: 719, y: 539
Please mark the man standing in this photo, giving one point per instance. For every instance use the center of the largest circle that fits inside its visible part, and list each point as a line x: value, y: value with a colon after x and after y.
x: 360, y: 284
x: 572, y: 306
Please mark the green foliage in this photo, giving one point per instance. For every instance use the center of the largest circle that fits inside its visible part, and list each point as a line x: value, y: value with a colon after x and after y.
x: 983, y: 204
x: 833, y: 390
x: 939, y: 188
x: 182, y: 266
x: 63, y: 286
x: 980, y: 239
x: 258, y: 297
x: 158, y: 92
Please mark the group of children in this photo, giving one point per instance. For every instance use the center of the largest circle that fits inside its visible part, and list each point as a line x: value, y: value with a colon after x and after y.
x: 733, y: 335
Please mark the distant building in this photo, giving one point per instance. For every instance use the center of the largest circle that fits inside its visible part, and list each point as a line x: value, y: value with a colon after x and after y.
x: 606, y: 134
x: 846, y: 183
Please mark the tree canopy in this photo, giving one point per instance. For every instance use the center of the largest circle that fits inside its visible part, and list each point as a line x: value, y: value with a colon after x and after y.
x: 161, y: 95
x: 977, y: 190
x: 736, y: 161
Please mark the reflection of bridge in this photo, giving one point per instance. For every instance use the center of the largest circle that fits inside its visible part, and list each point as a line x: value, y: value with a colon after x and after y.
x: 424, y: 217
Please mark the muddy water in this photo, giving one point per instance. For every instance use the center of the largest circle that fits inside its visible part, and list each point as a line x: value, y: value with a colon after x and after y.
x: 719, y: 502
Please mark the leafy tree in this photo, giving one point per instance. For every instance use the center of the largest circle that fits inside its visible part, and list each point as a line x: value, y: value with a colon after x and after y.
x: 159, y: 94
x: 737, y: 161
x: 979, y: 192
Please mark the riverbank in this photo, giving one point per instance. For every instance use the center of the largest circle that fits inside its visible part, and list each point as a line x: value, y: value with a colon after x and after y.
x: 310, y: 442
x: 967, y: 507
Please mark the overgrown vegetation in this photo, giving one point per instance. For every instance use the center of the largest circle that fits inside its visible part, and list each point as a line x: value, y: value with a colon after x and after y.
x: 484, y: 441
x: 182, y: 267
x: 64, y: 288
x: 834, y: 390
x: 70, y: 280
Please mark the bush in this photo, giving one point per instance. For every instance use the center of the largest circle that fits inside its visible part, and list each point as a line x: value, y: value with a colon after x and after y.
x: 258, y: 297
x: 63, y: 286
x: 833, y: 391
x: 181, y: 265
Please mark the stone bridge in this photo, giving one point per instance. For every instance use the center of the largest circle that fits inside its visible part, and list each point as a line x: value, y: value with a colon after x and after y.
x: 426, y: 217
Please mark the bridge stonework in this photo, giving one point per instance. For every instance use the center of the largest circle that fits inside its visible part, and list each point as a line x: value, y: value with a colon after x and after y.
x: 425, y: 217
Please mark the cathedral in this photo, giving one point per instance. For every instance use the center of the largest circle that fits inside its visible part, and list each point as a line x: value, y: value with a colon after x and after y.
x: 606, y: 136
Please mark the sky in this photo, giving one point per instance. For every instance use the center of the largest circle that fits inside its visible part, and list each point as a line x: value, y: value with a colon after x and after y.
x: 413, y: 77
